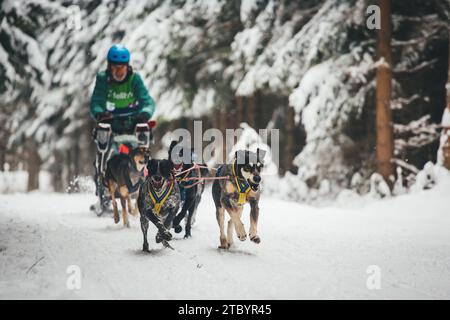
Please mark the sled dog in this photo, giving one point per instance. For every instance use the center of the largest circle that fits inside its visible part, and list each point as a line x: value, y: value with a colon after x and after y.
x: 230, y: 195
x: 124, y: 174
x: 191, y: 190
x: 158, y: 200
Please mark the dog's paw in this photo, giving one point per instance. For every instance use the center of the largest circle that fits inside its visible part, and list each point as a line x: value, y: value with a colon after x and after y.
x: 116, y: 219
x: 243, y: 237
x: 145, y: 247
x: 240, y: 231
x: 178, y: 229
x: 224, y: 244
x: 163, y: 235
x: 255, y: 239
x: 187, y: 236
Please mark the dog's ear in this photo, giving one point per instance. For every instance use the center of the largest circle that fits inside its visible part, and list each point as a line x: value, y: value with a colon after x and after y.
x: 261, y: 154
x: 152, y: 167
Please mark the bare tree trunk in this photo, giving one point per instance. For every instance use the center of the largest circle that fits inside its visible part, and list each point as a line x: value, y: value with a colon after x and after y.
x: 76, y: 158
x: 57, y: 173
x: 240, y: 110
x: 223, y: 127
x: 2, y: 157
x: 258, y: 112
x: 33, y: 166
x: 446, y: 149
x: 385, y: 141
x: 446, y: 130
x: 251, y: 114
x: 217, y: 124
x: 290, y: 140
x: 233, y: 116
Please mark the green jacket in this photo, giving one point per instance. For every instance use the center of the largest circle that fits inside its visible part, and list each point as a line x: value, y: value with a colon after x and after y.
x: 127, y: 99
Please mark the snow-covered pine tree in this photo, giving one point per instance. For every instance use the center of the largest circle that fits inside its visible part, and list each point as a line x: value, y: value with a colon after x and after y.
x: 213, y: 60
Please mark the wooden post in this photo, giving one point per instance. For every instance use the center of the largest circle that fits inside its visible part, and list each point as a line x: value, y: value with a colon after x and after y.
x: 384, y: 128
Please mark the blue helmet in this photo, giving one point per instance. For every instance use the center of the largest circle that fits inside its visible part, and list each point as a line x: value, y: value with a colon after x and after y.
x: 118, y: 54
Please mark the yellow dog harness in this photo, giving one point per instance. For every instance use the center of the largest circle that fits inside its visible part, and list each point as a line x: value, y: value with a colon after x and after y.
x: 158, y: 201
x: 242, y: 186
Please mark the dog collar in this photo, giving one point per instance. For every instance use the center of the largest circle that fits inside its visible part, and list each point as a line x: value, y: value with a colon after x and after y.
x: 242, y: 186
x: 158, y: 200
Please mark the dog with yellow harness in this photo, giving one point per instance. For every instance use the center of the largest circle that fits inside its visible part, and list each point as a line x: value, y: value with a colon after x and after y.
x: 230, y: 195
x: 159, y: 201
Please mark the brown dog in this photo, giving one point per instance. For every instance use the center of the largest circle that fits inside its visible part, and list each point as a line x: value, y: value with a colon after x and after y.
x: 230, y: 195
x: 124, y: 175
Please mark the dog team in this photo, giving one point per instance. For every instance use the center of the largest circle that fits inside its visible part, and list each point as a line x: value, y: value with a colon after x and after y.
x: 172, y: 189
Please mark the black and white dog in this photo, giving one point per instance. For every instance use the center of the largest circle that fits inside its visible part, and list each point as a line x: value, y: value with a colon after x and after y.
x: 191, y: 190
x: 231, y: 194
x: 158, y: 200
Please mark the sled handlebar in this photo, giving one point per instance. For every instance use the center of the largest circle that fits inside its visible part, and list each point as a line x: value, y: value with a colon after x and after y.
x: 150, y: 123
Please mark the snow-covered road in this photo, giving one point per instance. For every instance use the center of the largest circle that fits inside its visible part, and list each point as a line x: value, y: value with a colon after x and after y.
x: 305, y: 253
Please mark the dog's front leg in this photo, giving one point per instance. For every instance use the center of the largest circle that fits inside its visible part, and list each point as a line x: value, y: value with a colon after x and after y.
x: 144, y: 228
x: 162, y: 230
x: 254, y: 213
x: 220, y: 215
x: 235, y: 215
x: 170, y: 217
x: 230, y: 232
x: 178, y: 218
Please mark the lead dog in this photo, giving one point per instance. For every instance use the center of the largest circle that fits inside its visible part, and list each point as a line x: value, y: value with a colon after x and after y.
x: 231, y: 194
x: 158, y: 200
x: 124, y: 174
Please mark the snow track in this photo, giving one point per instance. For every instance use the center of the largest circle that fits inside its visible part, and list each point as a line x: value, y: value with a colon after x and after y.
x: 305, y: 253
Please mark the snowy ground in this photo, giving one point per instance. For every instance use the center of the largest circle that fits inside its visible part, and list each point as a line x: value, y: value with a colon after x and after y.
x: 305, y: 253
